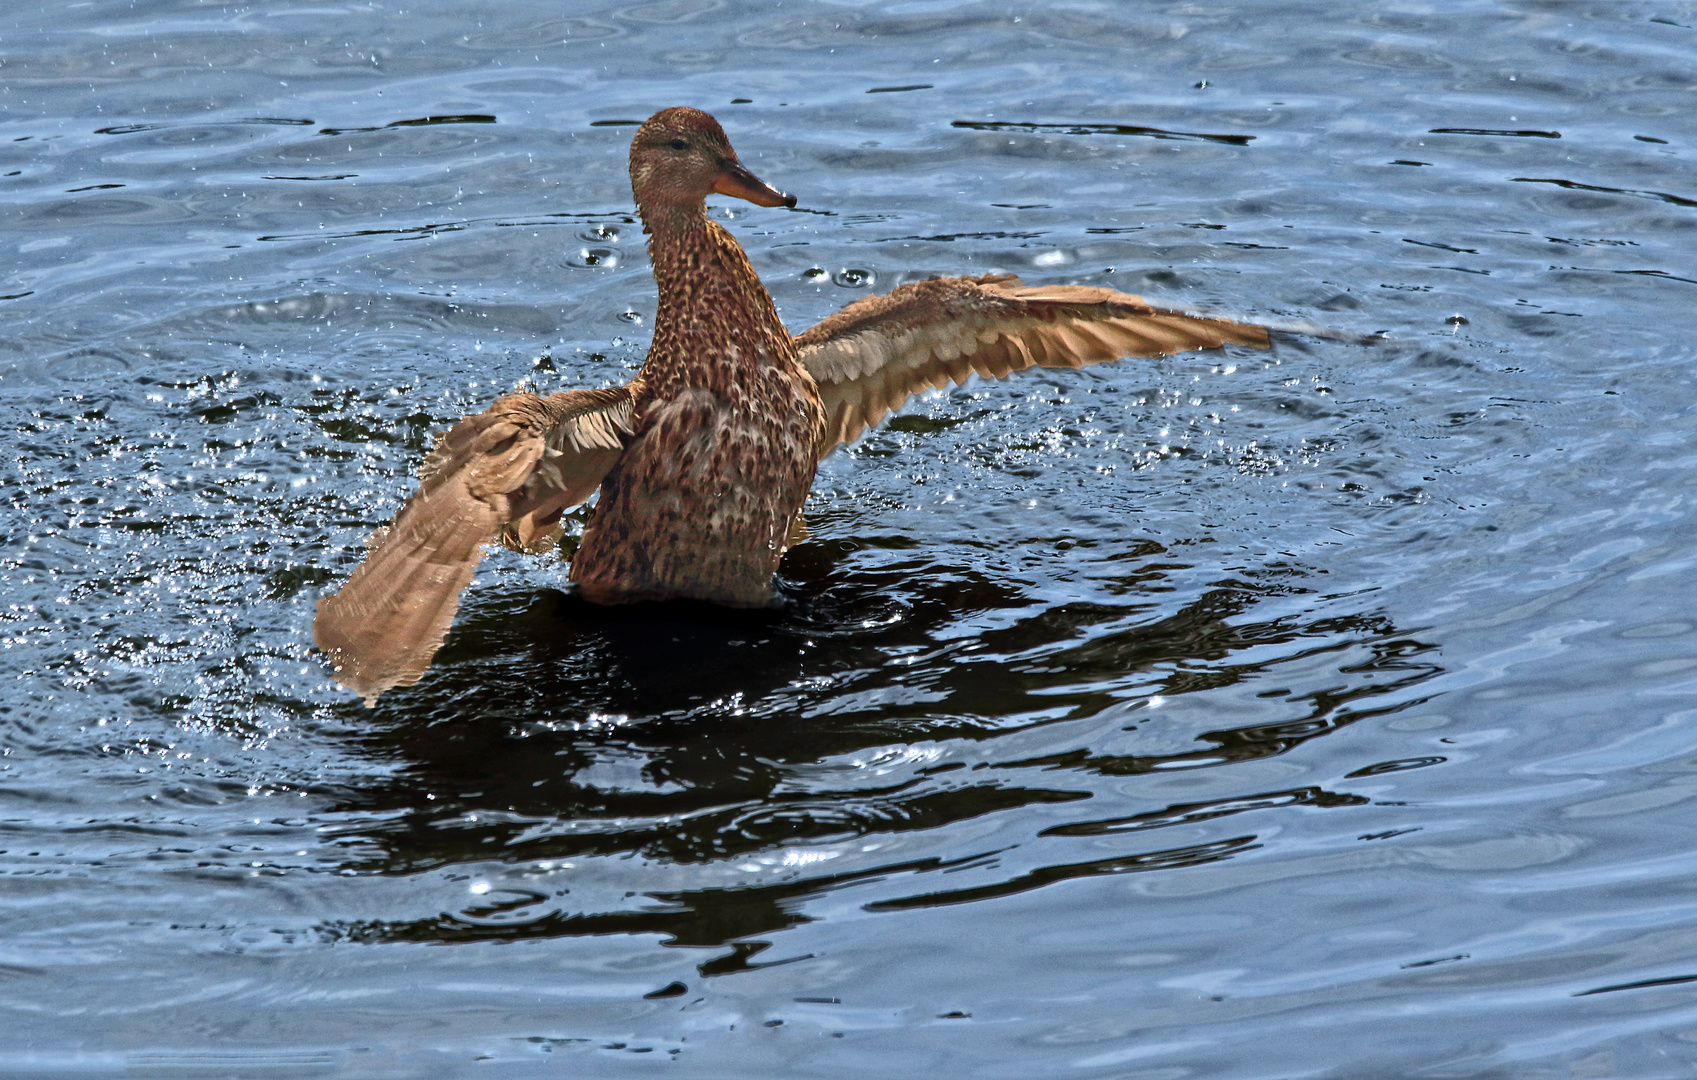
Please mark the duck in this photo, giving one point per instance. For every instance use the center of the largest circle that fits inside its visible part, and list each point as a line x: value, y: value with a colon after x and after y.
x: 702, y: 461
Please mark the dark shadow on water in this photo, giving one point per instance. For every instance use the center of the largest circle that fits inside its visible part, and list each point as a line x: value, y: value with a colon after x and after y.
x: 685, y: 734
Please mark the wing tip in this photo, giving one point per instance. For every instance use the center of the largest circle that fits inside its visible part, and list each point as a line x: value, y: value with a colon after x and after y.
x: 369, y: 685
x: 365, y: 668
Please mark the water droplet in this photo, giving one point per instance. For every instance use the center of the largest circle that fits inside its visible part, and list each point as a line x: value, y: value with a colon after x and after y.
x: 853, y: 277
x: 600, y: 234
x: 631, y: 317
x: 814, y: 273
x: 595, y: 257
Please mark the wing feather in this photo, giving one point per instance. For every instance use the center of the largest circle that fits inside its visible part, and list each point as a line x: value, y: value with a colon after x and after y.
x: 873, y: 355
x: 517, y: 464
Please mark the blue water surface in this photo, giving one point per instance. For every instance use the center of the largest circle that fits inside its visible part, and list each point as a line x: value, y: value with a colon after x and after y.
x: 1323, y: 712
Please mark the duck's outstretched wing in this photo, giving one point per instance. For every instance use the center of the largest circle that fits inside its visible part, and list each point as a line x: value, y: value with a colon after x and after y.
x: 517, y: 464
x: 871, y: 356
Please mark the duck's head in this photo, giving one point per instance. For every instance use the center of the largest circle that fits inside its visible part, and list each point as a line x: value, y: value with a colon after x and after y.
x: 681, y: 155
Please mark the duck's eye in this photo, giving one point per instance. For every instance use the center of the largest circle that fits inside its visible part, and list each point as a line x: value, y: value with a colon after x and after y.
x: 679, y: 144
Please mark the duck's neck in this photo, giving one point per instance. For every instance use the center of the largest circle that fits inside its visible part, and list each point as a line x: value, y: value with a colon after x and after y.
x: 710, y: 297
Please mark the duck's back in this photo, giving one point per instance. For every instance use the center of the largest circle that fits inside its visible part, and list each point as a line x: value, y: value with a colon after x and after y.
x: 728, y: 422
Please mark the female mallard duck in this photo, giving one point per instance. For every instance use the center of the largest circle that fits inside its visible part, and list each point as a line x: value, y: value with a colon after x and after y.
x: 703, y: 460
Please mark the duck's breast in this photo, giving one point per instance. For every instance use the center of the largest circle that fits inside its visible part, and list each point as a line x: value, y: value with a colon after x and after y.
x: 702, y: 501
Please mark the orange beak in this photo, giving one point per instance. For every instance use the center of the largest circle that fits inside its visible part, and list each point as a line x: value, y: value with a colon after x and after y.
x: 738, y: 182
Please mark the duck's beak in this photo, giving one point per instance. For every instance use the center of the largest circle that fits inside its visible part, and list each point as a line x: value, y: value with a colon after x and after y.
x: 738, y: 182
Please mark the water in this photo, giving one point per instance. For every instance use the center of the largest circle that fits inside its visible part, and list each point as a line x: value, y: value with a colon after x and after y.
x: 1326, y: 712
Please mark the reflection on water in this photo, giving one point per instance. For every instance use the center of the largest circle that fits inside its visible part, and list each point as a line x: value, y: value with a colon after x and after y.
x: 686, y: 734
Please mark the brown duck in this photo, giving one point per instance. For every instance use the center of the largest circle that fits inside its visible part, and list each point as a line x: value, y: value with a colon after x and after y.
x: 703, y: 460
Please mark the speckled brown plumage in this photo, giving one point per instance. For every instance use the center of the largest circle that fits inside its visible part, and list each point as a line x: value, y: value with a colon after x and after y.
x: 702, y: 502
x: 873, y: 355
x: 525, y: 456
x: 703, y: 460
